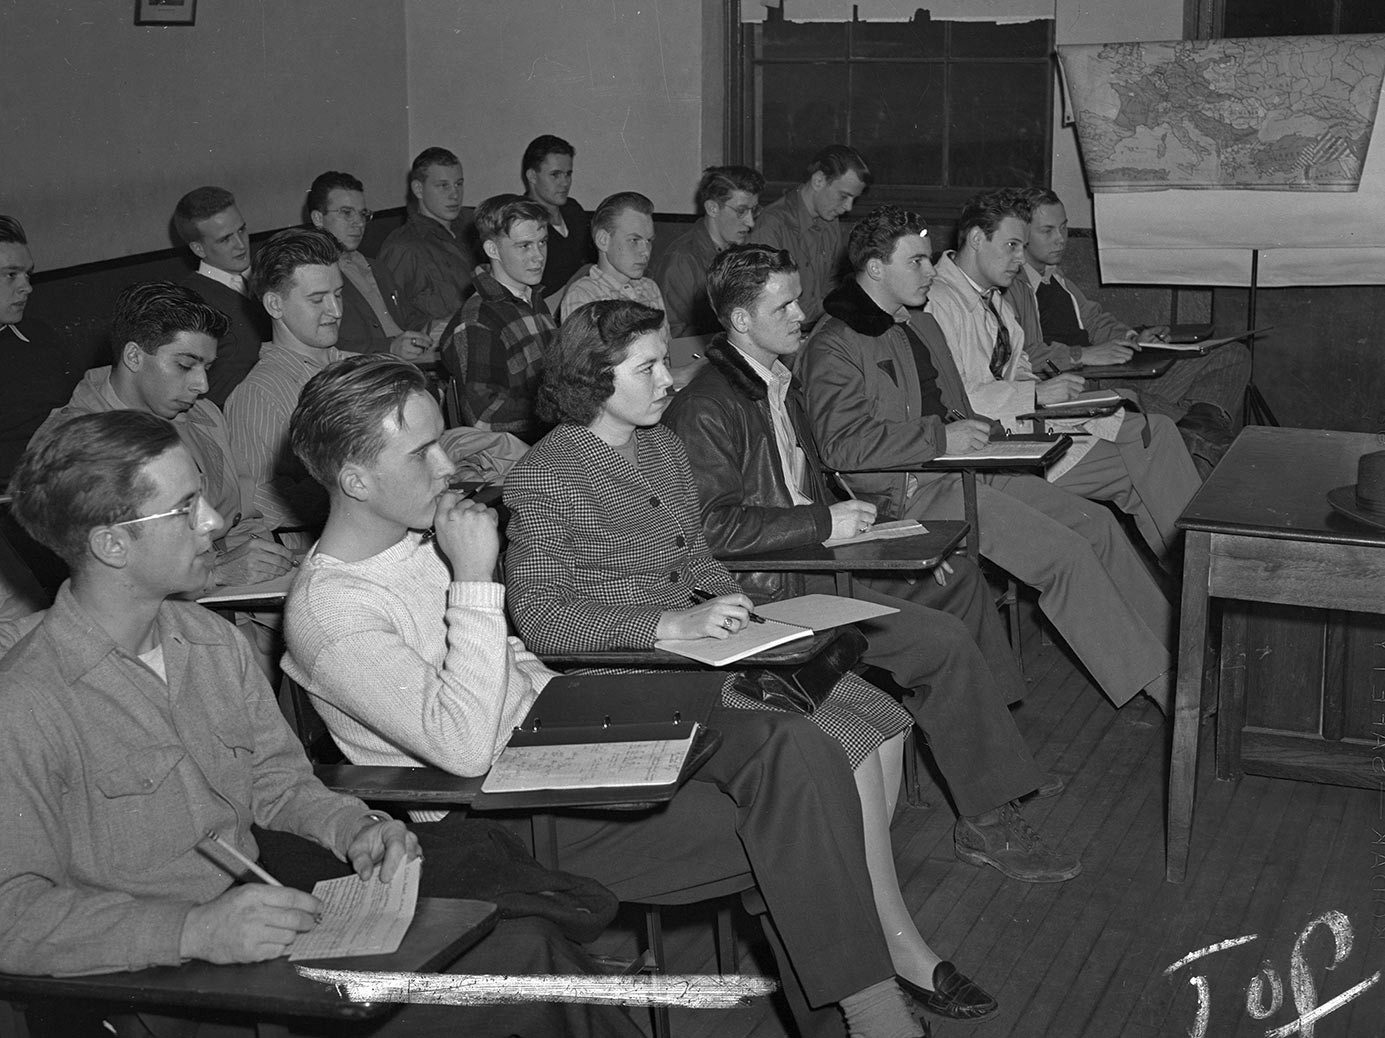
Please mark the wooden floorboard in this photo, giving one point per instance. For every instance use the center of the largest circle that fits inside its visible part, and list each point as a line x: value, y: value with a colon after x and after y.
x: 1086, y: 959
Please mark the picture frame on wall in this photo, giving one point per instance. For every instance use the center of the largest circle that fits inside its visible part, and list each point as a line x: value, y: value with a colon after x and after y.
x: 165, y: 12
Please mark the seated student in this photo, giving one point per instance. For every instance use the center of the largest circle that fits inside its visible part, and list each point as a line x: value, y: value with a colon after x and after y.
x: 807, y: 222
x: 136, y: 723
x: 761, y: 489
x: 165, y: 341
x: 606, y: 552
x: 401, y: 637
x: 300, y: 285
x: 623, y: 229
x: 428, y: 257
x: 877, y: 390
x: 547, y: 171
x: 728, y: 198
x: 209, y: 220
x: 1063, y: 327
x: 504, y: 329
x: 1142, y: 467
x: 370, y: 312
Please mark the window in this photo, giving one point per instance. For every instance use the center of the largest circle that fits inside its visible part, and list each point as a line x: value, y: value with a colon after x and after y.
x: 1230, y: 18
x: 938, y: 109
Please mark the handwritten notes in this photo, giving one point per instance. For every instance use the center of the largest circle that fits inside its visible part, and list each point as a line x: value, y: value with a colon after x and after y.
x: 887, y: 531
x: 361, y: 917
x: 656, y: 762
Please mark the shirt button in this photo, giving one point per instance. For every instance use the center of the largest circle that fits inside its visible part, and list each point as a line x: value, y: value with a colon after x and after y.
x: 680, y: 541
x: 653, y: 502
x: 673, y: 577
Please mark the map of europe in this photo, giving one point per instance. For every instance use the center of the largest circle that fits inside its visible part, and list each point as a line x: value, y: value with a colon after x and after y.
x: 1283, y: 113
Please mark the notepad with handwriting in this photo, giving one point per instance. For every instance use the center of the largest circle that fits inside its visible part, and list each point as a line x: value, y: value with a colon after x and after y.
x: 267, y: 589
x: 888, y: 531
x: 620, y: 765
x: 786, y: 621
x: 361, y: 917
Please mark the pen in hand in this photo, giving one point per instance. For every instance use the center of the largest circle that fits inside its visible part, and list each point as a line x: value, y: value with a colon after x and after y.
x: 697, y: 597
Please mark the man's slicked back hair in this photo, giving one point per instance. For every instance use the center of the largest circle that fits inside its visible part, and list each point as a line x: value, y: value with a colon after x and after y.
x: 1034, y: 197
x: 540, y: 148
x: 988, y: 208
x: 496, y: 215
x: 579, y: 370
x: 12, y: 231
x: 279, y: 258
x: 152, y: 313
x: 874, y: 236
x: 341, y: 413
x: 201, y: 203
x: 325, y: 183
x: 608, y: 212
x: 87, y: 473
x: 738, y: 276
x: 427, y: 159
x: 837, y: 160
x: 719, y: 183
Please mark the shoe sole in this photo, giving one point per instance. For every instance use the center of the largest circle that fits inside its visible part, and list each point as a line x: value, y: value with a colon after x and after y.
x: 977, y: 858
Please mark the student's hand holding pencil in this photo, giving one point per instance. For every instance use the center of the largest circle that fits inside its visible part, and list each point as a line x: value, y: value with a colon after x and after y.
x: 247, y: 924
x: 718, y: 617
x: 967, y: 435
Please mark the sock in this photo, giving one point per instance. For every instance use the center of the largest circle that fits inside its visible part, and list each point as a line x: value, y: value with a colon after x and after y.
x: 880, y: 1011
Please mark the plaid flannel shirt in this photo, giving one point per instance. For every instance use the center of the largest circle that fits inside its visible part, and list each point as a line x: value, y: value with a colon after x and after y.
x: 496, y: 354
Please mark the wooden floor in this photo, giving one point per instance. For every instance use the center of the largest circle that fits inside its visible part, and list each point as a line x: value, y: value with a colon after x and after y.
x: 1088, y: 958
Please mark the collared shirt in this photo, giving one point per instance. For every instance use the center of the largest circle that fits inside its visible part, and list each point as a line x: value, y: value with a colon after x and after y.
x: 110, y: 778
x: 496, y: 354
x: 235, y: 282
x: 681, y: 273
x: 258, y: 412
x: 14, y: 328
x: 791, y: 457
x: 431, y: 267
x: 356, y: 269
x: 598, y: 284
x: 818, y: 247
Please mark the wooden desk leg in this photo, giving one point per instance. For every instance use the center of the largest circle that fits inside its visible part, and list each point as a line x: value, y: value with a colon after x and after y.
x: 1231, y: 690
x: 1192, y: 638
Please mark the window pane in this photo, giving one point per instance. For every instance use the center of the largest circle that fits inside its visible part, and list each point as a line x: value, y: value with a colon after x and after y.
x: 987, y: 40
x: 921, y: 38
x: 1362, y: 16
x: 803, y: 107
x: 897, y: 121
x: 999, y: 114
x: 803, y: 39
x: 1276, y: 18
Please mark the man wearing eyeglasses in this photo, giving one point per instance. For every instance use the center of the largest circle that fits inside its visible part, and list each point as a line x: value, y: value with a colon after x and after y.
x: 806, y: 223
x: 728, y: 199
x: 165, y: 342
x: 371, y: 320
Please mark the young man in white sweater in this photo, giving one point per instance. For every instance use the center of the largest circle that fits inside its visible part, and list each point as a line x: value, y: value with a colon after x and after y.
x: 397, y: 627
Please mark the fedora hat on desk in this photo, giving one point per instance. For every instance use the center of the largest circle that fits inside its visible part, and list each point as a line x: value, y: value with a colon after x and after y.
x: 1363, y: 500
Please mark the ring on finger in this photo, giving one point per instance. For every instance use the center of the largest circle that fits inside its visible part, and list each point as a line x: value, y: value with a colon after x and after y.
x: 729, y: 624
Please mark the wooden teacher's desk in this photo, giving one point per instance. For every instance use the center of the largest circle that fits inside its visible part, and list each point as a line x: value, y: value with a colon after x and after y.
x: 1261, y: 530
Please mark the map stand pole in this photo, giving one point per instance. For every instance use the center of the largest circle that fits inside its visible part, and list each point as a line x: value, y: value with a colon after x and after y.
x: 1257, y: 409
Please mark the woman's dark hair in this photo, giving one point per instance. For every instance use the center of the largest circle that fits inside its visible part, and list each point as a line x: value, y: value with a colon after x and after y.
x: 578, y: 375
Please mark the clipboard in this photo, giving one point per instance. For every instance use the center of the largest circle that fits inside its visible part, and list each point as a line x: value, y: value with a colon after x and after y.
x: 581, y: 723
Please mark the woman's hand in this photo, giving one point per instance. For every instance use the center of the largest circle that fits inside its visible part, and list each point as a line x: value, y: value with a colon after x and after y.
x: 717, y: 618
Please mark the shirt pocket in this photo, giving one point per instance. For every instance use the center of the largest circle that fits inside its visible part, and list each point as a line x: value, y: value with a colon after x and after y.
x: 144, y: 813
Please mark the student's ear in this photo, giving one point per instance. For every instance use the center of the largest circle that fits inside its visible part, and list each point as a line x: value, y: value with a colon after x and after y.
x: 132, y: 357
x: 875, y: 269
x: 197, y: 249
x: 975, y: 237
x: 491, y: 249
x: 740, y: 319
x: 602, y: 238
x: 273, y: 305
x: 316, y: 218
x: 711, y: 207
x: 110, y: 546
x: 351, y: 481
x: 416, y: 189
x: 818, y: 180
x: 531, y: 177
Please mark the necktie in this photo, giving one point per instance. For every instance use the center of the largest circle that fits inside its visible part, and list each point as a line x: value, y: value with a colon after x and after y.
x: 1000, y: 353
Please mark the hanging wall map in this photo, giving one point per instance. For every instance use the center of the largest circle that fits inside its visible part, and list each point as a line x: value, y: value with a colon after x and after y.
x: 1277, y: 113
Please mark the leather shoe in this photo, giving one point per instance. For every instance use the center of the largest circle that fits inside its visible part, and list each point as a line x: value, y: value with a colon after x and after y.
x: 1051, y: 786
x: 954, y: 995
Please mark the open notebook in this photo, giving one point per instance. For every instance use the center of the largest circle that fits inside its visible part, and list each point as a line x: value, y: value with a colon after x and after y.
x: 785, y: 621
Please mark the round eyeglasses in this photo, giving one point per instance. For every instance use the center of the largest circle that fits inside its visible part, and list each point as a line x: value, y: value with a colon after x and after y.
x: 192, y: 509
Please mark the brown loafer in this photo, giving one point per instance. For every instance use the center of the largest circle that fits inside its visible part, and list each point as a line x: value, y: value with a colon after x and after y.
x: 954, y: 995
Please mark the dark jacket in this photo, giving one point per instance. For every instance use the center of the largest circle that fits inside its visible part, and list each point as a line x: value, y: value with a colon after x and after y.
x: 360, y: 330
x: 239, y: 349
x: 724, y: 420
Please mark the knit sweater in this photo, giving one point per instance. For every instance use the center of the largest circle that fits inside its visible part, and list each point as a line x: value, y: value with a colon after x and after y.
x: 406, y: 666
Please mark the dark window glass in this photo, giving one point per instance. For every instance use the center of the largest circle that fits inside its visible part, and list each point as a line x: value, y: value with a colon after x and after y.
x: 987, y: 40
x: 803, y: 40
x: 998, y: 141
x: 803, y: 108
x: 897, y: 121
x: 920, y: 38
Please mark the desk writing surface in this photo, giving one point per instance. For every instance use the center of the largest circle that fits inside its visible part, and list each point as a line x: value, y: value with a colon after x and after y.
x: 441, y: 931
x: 1276, y: 486
x: 905, y: 553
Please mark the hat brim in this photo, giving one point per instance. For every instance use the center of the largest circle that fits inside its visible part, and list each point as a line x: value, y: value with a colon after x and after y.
x: 1343, y: 500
